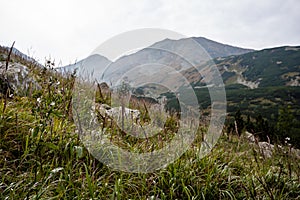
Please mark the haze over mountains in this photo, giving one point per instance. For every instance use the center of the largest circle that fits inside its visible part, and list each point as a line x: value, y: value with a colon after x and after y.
x: 176, y: 53
x: 269, y: 67
x: 277, y: 66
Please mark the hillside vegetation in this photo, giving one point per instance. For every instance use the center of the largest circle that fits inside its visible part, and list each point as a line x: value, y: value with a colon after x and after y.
x: 259, y: 84
x: 42, y: 157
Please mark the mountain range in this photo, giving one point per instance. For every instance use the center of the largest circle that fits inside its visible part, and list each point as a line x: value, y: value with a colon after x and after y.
x: 278, y: 66
x: 257, y: 82
x: 252, y: 68
x: 243, y: 71
x: 180, y: 53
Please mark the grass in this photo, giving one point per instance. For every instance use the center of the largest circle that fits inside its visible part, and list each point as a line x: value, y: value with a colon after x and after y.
x: 42, y: 157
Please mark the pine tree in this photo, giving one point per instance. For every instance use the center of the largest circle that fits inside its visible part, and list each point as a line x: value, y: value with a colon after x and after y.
x: 285, y: 122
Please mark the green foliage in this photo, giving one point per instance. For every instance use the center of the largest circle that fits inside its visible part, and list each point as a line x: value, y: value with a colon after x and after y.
x: 171, y: 124
x: 262, y: 106
x: 103, y: 94
x: 286, y: 127
x: 285, y: 121
x: 269, y: 66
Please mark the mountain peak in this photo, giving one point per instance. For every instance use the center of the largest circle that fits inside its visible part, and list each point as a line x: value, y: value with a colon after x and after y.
x: 213, y: 48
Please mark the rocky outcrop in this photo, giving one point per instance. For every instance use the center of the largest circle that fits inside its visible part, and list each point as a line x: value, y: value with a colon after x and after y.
x: 16, y: 79
x: 250, y: 137
x: 116, y: 112
x: 267, y: 149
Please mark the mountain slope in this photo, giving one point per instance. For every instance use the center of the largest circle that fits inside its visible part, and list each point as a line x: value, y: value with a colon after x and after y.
x: 269, y: 67
x: 17, y: 56
x: 260, y: 85
x: 278, y: 66
x: 179, y: 54
x: 94, y: 64
x: 216, y: 49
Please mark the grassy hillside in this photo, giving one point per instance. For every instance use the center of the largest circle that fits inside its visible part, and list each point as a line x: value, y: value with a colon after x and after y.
x: 42, y: 157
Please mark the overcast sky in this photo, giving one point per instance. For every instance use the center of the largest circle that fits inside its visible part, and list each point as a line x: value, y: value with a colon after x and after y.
x: 71, y: 30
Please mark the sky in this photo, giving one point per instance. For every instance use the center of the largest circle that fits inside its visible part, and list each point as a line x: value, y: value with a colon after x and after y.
x: 69, y: 31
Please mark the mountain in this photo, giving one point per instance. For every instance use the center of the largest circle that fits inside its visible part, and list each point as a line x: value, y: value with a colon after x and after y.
x: 15, y: 78
x: 262, y: 87
x: 94, y: 64
x: 214, y: 49
x: 278, y: 66
x: 269, y: 67
x: 17, y: 56
x: 180, y: 54
x: 258, y: 82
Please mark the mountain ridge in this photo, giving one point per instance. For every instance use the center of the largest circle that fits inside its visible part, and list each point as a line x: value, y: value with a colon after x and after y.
x: 157, y: 52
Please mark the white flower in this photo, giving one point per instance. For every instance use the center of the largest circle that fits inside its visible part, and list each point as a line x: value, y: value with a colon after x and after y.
x: 52, y: 104
x: 57, y: 170
x: 287, y: 138
x: 39, y: 100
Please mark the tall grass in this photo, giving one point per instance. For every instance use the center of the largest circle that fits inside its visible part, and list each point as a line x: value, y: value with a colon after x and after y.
x: 42, y: 157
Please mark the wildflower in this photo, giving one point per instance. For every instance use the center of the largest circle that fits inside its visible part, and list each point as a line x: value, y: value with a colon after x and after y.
x: 287, y: 139
x: 39, y: 100
x: 52, y: 103
x: 57, y: 170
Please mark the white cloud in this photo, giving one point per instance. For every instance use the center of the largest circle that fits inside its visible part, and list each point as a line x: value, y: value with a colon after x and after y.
x: 70, y: 30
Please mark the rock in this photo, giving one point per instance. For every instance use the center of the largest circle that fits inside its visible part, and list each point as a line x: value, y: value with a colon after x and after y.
x: 250, y: 137
x: 116, y: 112
x: 17, y: 78
x: 296, y: 152
x: 266, y: 149
x: 5, y: 87
x: 128, y: 113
